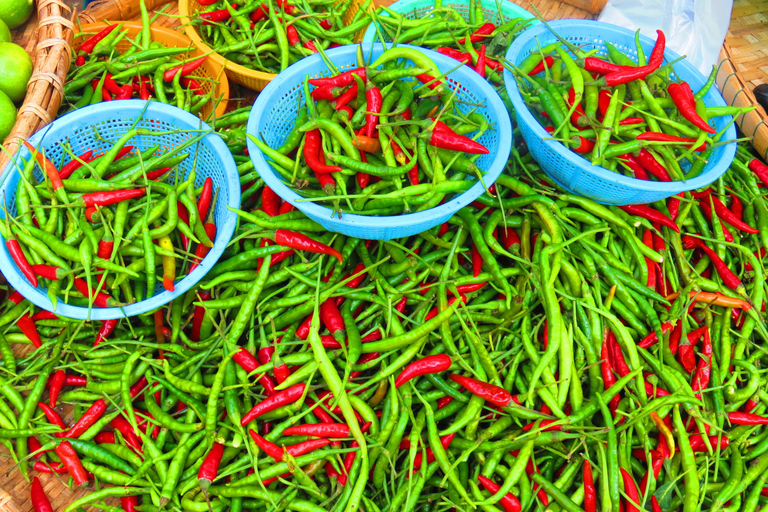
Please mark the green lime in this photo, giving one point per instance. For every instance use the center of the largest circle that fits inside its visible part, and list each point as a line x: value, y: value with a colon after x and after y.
x: 7, y: 115
x: 15, y: 70
x: 15, y: 12
x: 5, y: 32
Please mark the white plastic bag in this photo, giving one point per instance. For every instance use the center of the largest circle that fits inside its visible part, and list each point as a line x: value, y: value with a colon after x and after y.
x: 694, y: 28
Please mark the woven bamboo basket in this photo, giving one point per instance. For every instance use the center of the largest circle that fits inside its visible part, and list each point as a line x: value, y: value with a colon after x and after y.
x: 170, y: 38
x: 51, y: 56
x: 744, y: 65
x: 250, y: 78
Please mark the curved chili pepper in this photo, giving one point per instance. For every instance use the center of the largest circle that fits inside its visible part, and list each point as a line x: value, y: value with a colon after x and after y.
x: 744, y: 418
x: 201, y: 251
x: 424, y: 366
x: 312, y: 148
x: 29, y: 329
x: 53, y: 417
x: 332, y: 319
x: 74, y: 164
x: 630, y: 488
x: 595, y: 65
x: 730, y: 279
x: 339, y: 80
x: 646, y: 212
x: 456, y: 142
x: 102, y: 300
x: 480, y: 66
x: 106, y: 329
x: 56, y: 383
x: 686, y: 105
x: 609, y: 379
x: 71, y: 461
x: 548, y: 61
x: 40, y: 502
x: 664, y: 137
x: 590, y: 494
x: 650, y: 164
x: 332, y: 430
x: 760, y: 170
x: 509, y: 501
x: 278, y: 399
x: 88, y: 46
x: 489, y: 392
x: 485, y: 30
x: 209, y: 469
x: 374, y: 102
x: 302, y: 242
x: 89, y: 417
x: 17, y: 254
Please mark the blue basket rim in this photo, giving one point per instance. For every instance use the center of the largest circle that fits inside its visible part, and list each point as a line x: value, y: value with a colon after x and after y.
x: 521, y: 111
x: 482, y: 88
x: 224, y: 231
x: 404, y: 5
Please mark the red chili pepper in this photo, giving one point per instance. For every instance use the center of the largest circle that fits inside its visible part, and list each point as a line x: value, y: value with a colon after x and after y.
x: 595, y: 65
x: 189, y: 67
x: 332, y: 319
x: 585, y: 145
x: 302, y: 242
x: 209, y: 469
x: 40, y: 502
x: 279, y: 399
x: 426, y: 79
x: 744, y: 418
x: 509, y: 501
x: 760, y: 170
x: 121, y: 425
x: 480, y: 66
x: 548, y: 61
x: 29, y: 329
x: 312, y: 147
x: 686, y: 105
x: 330, y: 430
x: 489, y: 392
x: 89, y: 417
x: 339, y: 80
x: 102, y: 300
x: 374, y: 102
x: 634, y: 165
x: 53, y: 417
x: 650, y: 164
x: 730, y: 279
x: 480, y: 34
x: 433, y: 313
x: 426, y: 365
x: 71, y: 461
x: 145, y: 96
x: 686, y: 142
x: 212, y: 17
x: 630, y: 489
x: 723, y: 213
x: 307, y: 446
x: 129, y: 503
x: 455, y: 142
x: 202, y: 250
x: 18, y: 256
x: 603, y: 101
x: 270, y: 202
x: 49, y: 468
x: 110, y: 197
x: 463, y: 57
x: 697, y: 443
x: 707, y: 209
x: 590, y: 494
x: 74, y: 164
x: 652, y: 339
x: 445, y: 441
x: 197, y: 320
x: 292, y: 35
x: 609, y: 379
x: 646, y: 212
x: 56, y: 383
x: 344, y: 99
x: 106, y: 329
x: 88, y: 46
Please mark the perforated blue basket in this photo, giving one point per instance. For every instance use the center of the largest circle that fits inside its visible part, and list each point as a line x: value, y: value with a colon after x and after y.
x: 573, y: 172
x: 274, y: 115
x: 492, y: 12
x: 112, y: 120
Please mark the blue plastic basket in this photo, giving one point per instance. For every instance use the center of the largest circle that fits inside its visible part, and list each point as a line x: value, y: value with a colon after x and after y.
x: 111, y: 120
x: 492, y: 12
x: 573, y: 172
x: 274, y: 115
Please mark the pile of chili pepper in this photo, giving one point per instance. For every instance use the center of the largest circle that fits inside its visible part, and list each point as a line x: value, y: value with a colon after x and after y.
x: 145, y: 70
x: 472, y: 38
x: 97, y: 227
x: 381, y: 139
x: 272, y: 35
x: 539, y: 351
x: 634, y: 118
